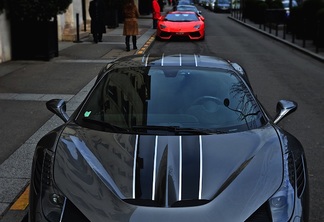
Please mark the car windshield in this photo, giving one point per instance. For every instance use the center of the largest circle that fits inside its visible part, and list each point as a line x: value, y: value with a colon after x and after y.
x: 181, y: 17
x: 186, y: 8
x: 223, y: 2
x: 170, y: 100
x: 184, y: 2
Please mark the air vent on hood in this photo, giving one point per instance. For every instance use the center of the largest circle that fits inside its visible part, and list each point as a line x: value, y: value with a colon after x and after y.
x: 297, y: 172
x: 42, y: 173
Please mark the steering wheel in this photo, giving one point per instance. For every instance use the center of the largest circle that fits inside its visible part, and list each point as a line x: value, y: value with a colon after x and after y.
x: 209, y: 104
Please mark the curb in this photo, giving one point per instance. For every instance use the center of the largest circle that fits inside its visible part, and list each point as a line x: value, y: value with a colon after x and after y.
x: 146, y: 46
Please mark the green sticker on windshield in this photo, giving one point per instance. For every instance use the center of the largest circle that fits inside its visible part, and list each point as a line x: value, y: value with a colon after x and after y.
x: 87, y: 114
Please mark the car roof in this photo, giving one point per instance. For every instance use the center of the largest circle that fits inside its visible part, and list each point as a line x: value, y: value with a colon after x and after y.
x: 180, y: 60
x: 186, y: 6
x: 175, y: 60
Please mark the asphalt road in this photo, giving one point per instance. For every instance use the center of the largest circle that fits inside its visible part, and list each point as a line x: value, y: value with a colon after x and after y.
x: 276, y: 72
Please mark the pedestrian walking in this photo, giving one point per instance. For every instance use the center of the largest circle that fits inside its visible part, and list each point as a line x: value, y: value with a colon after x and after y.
x: 156, y: 13
x: 131, y: 15
x: 97, y: 15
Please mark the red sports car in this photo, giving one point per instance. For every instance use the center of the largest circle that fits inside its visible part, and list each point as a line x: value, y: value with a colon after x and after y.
x: 181, y: 24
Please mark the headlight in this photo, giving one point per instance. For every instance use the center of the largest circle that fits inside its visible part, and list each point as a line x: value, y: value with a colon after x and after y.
x: 282, y: 202
x: 162, y: 26
x: 197, y: 26
x: 52, y: 205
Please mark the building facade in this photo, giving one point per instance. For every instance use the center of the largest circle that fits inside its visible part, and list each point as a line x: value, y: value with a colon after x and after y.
x: 77, y: 15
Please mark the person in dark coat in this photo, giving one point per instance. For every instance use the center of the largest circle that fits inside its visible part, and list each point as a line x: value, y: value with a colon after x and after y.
x: 97, y: 15
x: 131, y: 15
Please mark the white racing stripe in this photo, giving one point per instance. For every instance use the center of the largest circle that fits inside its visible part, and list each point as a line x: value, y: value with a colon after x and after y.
x: 200, y: 168
x: 180, y: 168
x: 134, y: 166
x: 154, y: 168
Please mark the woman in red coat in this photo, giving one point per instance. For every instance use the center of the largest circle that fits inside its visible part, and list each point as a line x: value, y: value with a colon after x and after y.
x: 156, y: 12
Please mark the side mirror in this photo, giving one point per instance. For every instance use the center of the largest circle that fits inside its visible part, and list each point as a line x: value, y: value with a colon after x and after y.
x: 58, y: 107
x: 284, y: 108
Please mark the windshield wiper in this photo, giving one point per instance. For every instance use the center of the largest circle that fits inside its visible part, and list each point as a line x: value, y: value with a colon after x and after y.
x: 105, y: 124
x: 175, y: 129
x: 200, y: 131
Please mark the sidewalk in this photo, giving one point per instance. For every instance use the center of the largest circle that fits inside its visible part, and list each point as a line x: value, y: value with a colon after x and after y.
x: 25, y: 86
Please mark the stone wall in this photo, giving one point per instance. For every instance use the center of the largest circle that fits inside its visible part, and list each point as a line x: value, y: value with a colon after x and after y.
x: 67, y: 30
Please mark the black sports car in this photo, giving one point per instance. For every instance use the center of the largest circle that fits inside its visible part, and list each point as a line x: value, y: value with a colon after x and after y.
x: 169, y: 138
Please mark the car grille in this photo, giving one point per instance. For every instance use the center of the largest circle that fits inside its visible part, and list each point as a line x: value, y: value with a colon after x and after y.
x: 72, y: 213
x: 164, y: 34
x: 195, y: 34
x: 152, y: 203
x: 185, y: 36
x: 261, y: 215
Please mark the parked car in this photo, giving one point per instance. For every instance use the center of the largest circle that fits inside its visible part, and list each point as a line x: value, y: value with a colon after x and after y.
x: 222, y: 6
x: 182, y: 25
x: 169, y: 138
x: 185, y: 2
x: 191, y: 8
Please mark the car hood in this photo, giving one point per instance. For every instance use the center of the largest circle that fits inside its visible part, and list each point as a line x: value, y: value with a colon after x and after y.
x: 227, y: 176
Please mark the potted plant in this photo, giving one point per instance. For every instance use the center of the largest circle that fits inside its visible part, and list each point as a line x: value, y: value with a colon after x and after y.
x: 1, y: 6
x: 34, y: 27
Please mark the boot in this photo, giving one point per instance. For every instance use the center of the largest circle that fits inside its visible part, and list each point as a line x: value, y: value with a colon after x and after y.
x: 134, y: 41
x: 95, y: 38
x: 127, y: 43
x: 100, y: 37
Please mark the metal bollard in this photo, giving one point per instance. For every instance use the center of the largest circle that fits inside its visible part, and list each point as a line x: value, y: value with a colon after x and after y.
x: 77, y: 29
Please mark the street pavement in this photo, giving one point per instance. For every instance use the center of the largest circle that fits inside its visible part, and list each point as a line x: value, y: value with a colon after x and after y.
x: 25, y: 87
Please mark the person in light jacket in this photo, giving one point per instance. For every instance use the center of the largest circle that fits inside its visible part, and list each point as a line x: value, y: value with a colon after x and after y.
x: 156, y: 12
x: 131, y: 15
x: 97, y: 15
